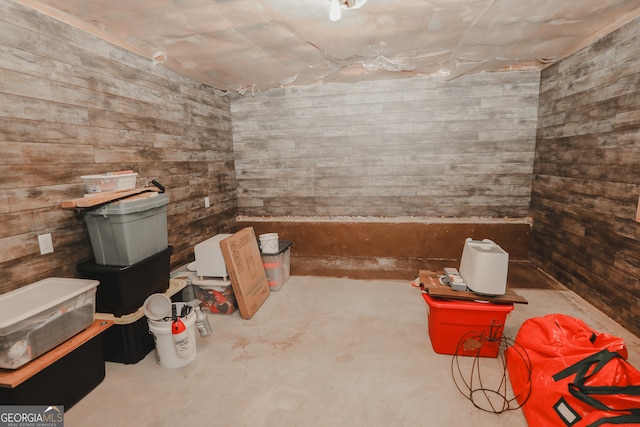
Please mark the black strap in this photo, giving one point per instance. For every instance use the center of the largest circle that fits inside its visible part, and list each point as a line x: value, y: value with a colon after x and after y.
x: 585, y: 394
x: 581, y: 367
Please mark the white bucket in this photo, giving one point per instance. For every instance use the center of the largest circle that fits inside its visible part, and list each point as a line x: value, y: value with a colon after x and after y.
x: 269, y: 243
x: 167, y: 352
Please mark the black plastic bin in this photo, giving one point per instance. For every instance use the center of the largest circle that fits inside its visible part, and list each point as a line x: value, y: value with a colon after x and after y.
x: 122, y: 290
x: 128, y: 341
x: 65, y: 382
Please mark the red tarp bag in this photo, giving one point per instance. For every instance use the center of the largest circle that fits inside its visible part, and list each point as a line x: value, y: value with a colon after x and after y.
x: 576, y: 376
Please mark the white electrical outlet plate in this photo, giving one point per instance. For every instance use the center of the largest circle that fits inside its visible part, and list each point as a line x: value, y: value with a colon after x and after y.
x: 206, y: 202
x: 46, y: 244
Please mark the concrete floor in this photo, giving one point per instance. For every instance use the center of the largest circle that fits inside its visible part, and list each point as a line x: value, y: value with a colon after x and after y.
x: 320, y: 352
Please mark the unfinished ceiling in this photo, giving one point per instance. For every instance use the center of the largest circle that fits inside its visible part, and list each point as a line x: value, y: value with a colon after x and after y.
x: 251, y: 45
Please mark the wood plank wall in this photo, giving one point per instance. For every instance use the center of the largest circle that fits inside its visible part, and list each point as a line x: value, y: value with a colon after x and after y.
x: 71, y: 105
x: 410, y: 147
x: 587, y: 181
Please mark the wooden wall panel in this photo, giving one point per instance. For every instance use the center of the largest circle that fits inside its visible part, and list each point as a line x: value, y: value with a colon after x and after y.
x: 586, y: 177
x: 411, y: 147
x: 71, y: 105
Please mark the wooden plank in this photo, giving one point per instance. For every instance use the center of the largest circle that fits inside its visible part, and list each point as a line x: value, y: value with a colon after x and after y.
x: 13, y: 378
x: 510, y: 297
x: 106, y: 197
x: 436, y: 289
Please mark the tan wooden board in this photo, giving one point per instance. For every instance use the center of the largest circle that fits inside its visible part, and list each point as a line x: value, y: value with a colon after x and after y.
x: 11, y: 378
x: 436, y: 289
x: 100, y: 198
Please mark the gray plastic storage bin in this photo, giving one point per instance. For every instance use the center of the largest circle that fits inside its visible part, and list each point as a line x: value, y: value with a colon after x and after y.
x: 126, y: 232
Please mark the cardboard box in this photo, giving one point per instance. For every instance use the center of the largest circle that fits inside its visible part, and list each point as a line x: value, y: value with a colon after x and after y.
x: 246, y: 272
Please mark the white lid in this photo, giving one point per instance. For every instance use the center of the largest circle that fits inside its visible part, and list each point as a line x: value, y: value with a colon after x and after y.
x: 157, y: 306
x: 268, y: 236
x: 28, y: 301
x: 217, y: 284
x: 108, y: 175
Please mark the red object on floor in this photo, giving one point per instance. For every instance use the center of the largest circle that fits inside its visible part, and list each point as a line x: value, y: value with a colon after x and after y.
x: 466, y: 328
x: 573, y: 375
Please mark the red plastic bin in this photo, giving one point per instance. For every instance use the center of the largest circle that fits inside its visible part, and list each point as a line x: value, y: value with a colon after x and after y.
x: 468, y: 327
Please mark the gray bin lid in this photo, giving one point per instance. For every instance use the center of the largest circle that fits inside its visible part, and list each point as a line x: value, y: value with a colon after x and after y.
x: 124, y: 207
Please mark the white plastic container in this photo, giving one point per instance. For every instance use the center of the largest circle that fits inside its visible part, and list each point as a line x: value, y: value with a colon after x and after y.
x: 109, y: 182
x: 484, y: 266
x: 215, y: 295
x: 209, y: 259
x: 38, y: 317
x: 277, y: 266
x: 168, y: 353
x: 269, y: 243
